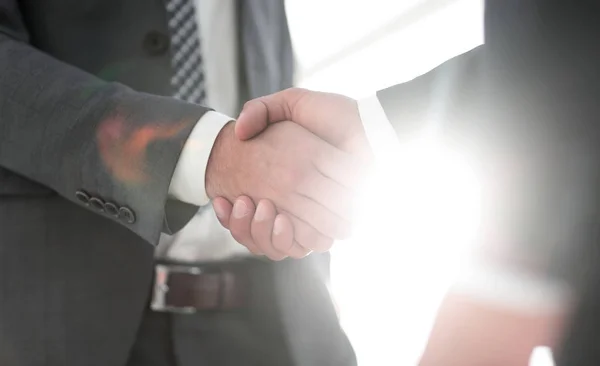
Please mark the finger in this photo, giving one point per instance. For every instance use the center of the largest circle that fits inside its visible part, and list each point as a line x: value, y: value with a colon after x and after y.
x: 222, y: 209
x: 318, y: 216
x: 308, y: 237
x: 239, y: 223
x: 252, y: 120
x: 283, y: 238
x: 332, y: 117
x: 344, y: 168
x: 257, y: 114
x: 298, y: 252
x: 336, y: 197
x: 262, y: 229
x: 283, y: 233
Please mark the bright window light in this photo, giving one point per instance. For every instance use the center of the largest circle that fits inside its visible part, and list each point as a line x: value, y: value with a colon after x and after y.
x: 415, y: 224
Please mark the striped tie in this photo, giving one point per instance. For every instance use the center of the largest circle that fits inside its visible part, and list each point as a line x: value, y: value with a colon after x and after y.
x: 186, y: 56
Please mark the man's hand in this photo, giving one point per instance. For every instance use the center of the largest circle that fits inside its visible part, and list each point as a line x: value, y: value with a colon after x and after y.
x: 261, y: 229
x: 332, y: 117
x: 300, y: 174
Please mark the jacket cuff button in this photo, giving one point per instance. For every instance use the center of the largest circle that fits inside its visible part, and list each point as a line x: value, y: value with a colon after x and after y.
x: 127, y: 215
x: 82, y: 197
x: 97, y: 203
x: 111, y: 209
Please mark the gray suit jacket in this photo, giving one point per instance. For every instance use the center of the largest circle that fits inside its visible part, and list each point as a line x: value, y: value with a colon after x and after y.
x: 525, y: 106
x: 87, y: 136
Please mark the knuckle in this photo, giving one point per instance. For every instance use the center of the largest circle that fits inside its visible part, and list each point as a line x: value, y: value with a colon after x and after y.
x: 343, y: 204
x: 282, y: 247
x: 308, y: 237
x: 290, y: 178
x: 323, y: 245
x: 254, y: 250
x: 300, y: 253
x: 309, y: 184
x: 311, y: 239
x: 317, y: 154
x: 261, y: 237
x: 295, y: 92
x: 249, y: 104
x: 269, y: 250
x: 335, y: 227
x: 276, y: 257
x: 301, y: 93
x: 294, y: 96
x: 242, y: 235
x: 315, y: 180
x: 241, y: 238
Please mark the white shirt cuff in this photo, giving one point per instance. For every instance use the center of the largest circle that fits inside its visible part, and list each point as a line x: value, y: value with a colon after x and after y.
x: 379, y: 130
x: 188, y: 182
x: 518, y: 291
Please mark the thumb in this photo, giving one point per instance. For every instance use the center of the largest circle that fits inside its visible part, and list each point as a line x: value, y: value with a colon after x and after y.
x: 223, y: 210
x: 257, y: 114
x: 252, y: 120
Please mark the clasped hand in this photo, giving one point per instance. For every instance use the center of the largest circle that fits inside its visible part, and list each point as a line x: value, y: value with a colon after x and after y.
x: 287, y: 188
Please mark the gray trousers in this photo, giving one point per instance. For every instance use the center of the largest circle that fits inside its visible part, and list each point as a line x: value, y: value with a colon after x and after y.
x: 250, y: 337
x: 212, y: 339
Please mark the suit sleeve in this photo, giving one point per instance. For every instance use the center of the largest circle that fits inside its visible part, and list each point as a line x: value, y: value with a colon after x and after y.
x: 525, y: 105
x: 442, y: 98
x: 103, y: 146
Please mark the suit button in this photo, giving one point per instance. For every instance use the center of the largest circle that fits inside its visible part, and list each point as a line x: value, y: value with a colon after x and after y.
x: 97, y: 203
x: 127, y: 215
x: 156, y: 43
x: 83, y: 197
x: 111, y: 209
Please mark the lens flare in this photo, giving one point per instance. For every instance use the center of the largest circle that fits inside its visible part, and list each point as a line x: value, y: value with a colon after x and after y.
x: 124, y: 151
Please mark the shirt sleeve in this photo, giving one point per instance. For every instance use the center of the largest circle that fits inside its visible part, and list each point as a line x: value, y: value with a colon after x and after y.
x: 378, y: 128
x: 188, y: 182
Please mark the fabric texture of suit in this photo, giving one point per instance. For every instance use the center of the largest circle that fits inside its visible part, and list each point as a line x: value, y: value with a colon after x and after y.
x: 524, y: 106
x: 84, y: 108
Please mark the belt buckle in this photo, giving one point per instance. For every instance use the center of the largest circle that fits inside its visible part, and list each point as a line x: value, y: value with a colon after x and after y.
x: 161, y: 287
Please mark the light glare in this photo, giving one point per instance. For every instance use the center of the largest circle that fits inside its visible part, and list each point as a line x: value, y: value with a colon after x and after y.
x: 416, y: 223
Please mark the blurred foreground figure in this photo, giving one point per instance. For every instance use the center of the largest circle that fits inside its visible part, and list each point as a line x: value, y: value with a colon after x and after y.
x: 523, y: 107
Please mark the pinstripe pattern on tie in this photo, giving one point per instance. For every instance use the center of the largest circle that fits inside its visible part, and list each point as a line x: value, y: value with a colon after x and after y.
x: 186, y: 56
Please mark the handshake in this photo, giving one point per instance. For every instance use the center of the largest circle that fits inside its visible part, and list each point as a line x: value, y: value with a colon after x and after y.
x: 283, y: 177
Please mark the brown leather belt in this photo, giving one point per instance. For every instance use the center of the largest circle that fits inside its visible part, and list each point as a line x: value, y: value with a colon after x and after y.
x: 182, y: 288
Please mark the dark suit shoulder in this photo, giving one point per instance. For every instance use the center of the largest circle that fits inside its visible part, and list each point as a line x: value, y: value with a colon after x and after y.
x: 441, y: 94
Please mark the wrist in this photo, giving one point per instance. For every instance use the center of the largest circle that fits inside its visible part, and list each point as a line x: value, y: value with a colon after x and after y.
x: 216, y: 161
